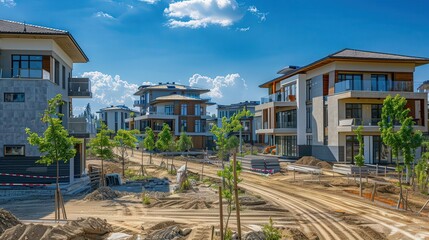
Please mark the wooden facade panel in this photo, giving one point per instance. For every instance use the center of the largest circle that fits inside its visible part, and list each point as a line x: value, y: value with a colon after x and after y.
x: 325, y: 84
x: 406, y: 76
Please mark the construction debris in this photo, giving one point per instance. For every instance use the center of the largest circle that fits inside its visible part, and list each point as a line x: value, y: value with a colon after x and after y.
x: 168, y: 233
x: 312, y: 161
x: 88, y: 228
x: 104, y: 193
x: 7, y: 220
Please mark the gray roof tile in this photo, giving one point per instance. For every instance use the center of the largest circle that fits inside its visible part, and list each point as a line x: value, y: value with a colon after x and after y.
x: 7, y: 26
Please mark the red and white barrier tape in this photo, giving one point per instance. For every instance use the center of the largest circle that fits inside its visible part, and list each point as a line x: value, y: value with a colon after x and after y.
x: 28, y: 176
x: 263, y: 170
x: 25, y: 184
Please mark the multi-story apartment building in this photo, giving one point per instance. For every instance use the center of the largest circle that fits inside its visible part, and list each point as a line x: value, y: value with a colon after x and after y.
x: 36, y: 64
x: 248, y: 123
x: 313, y: 110
x: 114, y: 117
x: 180, y: 106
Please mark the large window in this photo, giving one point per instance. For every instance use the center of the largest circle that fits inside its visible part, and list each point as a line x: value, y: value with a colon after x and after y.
x: 63, y: 76
x: 198, y: 128
x: 352, y: 148
x: 286, y: 119
x: 169, y: 109
x: 376, y: 113
x: 309, y: 139
x: 308, y: 118
x: 26, y: 66
x: 14, y: 97
x: 308, y: 95
x: 57, y: 72
x: 379, y: 82
x: 354, y: 110
x: 14, y: 150
x: 184, y: 125
x: 286, y: 146
x: 348, y: 82
x: 197, y: 110
x: 184, y: 109
x: 290, y: 93
x: 381, y: 153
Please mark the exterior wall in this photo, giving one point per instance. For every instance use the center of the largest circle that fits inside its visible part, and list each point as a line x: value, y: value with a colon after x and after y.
x: 110, y: 116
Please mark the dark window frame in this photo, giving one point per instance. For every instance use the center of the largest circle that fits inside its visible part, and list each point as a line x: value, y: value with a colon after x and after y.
x: 13, y: 155
x: 63, y: 76
x: 356, y: 80
x: 13, y: 96
x: 21, y: 61
x: 351, y: 110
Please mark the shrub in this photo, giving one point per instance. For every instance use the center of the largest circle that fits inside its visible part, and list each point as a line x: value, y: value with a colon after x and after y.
x: 145, y: 199
x: 228, y: 235
x: 271, y: 232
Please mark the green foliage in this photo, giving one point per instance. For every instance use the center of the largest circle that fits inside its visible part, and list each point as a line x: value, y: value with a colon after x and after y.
x: 186, y: 185
x: 165, y: 138
x: 149, y: 140
x: 422, y: 169
x: 125, y: 138
x: 55, y: 144
x: 228, y: 235
x: 145, y: 199
x: 102, y: 146
x: 359, y: 158
x: 132, y: 114
x: 271, y: 232
x: 184, y: 143
x: 222, y: 133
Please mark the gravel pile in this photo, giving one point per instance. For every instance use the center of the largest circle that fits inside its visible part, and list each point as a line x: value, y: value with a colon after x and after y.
x: 7, y: 220
x: 254, y: 236
x: 104, y: 193
x: 312, y: 161
x: 168, y: 233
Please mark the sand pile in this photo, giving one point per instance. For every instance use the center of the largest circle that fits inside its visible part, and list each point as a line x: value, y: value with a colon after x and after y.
x: 312, y: 161
x: 88, y: 228
x: 294, y: 234
x: 103, y: 193
x: 7, y: 220
x: 196, y: 204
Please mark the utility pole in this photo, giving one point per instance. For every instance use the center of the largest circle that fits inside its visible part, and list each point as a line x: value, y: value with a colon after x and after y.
x: 237, y: 202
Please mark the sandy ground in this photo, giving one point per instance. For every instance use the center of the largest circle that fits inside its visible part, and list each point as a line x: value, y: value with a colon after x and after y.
x: 319, y: 210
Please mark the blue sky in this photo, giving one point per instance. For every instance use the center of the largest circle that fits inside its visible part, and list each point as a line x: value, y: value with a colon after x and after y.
x: 229, y: 46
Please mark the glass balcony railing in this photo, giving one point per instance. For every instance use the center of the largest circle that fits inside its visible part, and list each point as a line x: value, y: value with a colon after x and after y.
x: 371, y: 85
x: 278, y: 97
x: 80, y: 87
x: 139, y: 102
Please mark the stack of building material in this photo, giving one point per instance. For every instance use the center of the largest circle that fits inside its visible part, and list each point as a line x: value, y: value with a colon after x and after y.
x: 348, y: 169
x: 304, y: 168
x: 260, y: 164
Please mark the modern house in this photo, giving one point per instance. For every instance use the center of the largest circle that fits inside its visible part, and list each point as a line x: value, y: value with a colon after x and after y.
x: 36, y: 64
x: 114, y: 117
x: 248, y: 123
x: 180, y: 106
x: 313, y: 110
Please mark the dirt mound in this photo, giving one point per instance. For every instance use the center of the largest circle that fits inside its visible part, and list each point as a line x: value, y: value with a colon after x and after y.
x: 251, y: 201
x: 89, y: 228
x: 388, y: 189
x: 196, y: 204
x: 294, y: 234
x: 103, y: 193
x: 7, y: 220
x: 343, y: 182
x: 312, y: 161
x: 254, y: 236
x: 168, y: 233
x: 162, y: 225
x: 370, y: 233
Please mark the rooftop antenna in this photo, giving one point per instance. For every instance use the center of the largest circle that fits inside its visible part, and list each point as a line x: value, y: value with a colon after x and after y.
x: 25, y: 27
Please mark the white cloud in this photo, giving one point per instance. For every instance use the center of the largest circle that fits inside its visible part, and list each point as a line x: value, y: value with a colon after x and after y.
x: 243, y: 29
x: 218, y: 84
x: 8, y: 3
x: 255, y: 11
x: 202, y: 13
x: 149, y: 1
x: 111, y: 90
x: 103, y: 15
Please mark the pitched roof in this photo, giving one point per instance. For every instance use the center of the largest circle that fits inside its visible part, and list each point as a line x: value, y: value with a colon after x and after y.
x: 178, y: 97
x: 169, y: 87
x: 63, y: 38
x: 119, y: 107
x: 351, y: 54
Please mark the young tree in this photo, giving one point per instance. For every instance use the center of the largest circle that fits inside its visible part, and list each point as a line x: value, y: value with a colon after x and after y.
x: 405, y: 140
x: 165, y: 139
x: 227, y: 173
x: 359, y: 158
x: 102, y: 147
x: 132, y: 116
x: 149, y: 142
x: 184, y: 143
x: 125, y: 139
x: 55, y: 145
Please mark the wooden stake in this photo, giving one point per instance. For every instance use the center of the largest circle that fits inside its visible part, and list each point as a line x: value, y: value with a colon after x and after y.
x: 423, y: 206
x: 237, y: 202
x: 220, y: 213
x: 211, y: 238
x: 294, y: 174
x: 374, y: 190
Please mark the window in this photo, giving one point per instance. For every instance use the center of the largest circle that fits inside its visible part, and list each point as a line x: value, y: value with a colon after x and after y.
x: 14, y: 150
x: 381, y: 153
x: 198, y: 126
x: 26, y: 66
x: 354, y: 110
x: 122, y: 121
x: 352, y: 148
x: 379, y: 82
x: 308, y: 118
x: 376, y: 113
x: 308, y: 90
x: 116, y: 121
x: 184, y: 109
x: 183, y: 125
x: 57, y: 72
x: 290, y: 93
x: 197, y: 110
x: 14, y: 97
x: 63, y: 76
x: 286, y: 119
x: 169, y: 109
x: 349, y: 82
x: 286, y: 146
x: 309, y: 140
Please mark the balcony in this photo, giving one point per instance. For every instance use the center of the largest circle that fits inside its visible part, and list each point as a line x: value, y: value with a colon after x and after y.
x: 280, y: 128
x: 370, y: 125
x: 278, y: 97
x: 139, y: 103
x: 81, y: 128
x: 371, y: 85
x: 80, y: 88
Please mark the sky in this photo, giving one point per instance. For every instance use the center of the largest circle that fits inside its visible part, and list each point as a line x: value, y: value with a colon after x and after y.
x: 228, y: 46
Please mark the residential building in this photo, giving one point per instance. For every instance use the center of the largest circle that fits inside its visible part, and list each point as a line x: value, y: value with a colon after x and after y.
x: 313, y: 110
x: 114, y: 117
x: 248, y: 123
x: 36, y: 64
x: 180, y: 106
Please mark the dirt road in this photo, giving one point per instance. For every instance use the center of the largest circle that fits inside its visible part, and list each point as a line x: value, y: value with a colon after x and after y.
x: 331, y: 214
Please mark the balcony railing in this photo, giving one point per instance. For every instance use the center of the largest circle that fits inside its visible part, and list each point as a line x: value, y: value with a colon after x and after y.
x: 139, y: 102
x: 359, y: 122
x: 278, y: 97
x: 80, y: 125
x: 80, y: 87
x: 371, y: 85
